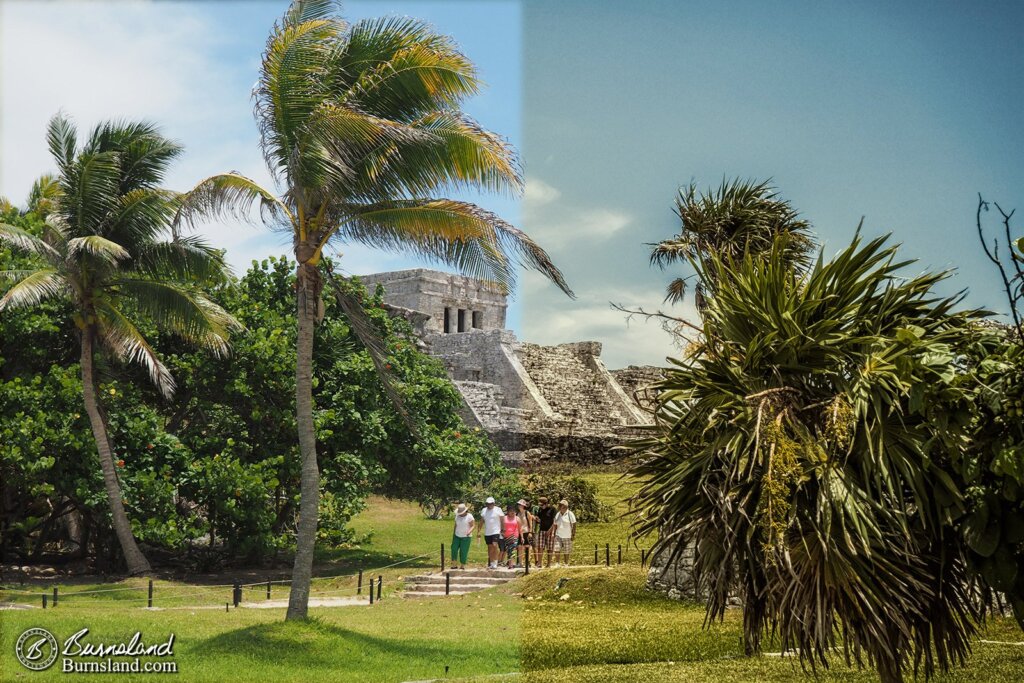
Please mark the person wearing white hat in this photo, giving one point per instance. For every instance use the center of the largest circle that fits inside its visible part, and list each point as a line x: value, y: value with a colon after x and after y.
x: 463, y: 535
x: 491, y: 528
x: 565, y: 532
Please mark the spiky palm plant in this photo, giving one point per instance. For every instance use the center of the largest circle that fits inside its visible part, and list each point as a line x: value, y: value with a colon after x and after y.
x: 739, y: 217
x: 804, y: 450
x: 103, y: 248
x: 43, y: 197
x: 360, y: 126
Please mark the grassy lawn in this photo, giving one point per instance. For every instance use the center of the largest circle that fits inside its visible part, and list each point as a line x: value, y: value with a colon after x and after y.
x: 581, y: 623
x: 610, y: 629
x: 395, y: 640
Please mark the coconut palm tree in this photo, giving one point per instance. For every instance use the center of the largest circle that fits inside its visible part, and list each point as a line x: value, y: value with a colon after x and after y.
x: 44, y: 194
x: 103, y: 249
x: 741, y: 216
x: 361, y: 127
x: 806, y: 450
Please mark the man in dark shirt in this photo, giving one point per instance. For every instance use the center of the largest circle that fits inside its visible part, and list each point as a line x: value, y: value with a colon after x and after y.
x: 545, y: 536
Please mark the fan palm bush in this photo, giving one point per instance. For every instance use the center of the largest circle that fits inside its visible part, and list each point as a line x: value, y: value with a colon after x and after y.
x: 361, y: 127
x: 805, y: 449
x: 103, y: 248
x: 739, y: 217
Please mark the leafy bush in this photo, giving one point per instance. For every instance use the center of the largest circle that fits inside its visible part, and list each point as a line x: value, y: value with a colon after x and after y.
x: 580, y: 493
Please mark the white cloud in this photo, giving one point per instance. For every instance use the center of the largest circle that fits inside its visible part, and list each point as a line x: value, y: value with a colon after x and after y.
x: 136, y: 60
x: 538, y: 193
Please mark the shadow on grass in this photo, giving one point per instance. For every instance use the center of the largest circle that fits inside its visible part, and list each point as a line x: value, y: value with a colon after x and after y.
x: 317, y: 644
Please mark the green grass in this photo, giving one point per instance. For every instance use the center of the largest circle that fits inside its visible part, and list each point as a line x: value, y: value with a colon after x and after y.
x: 395, y: 640
x: 611, y: 629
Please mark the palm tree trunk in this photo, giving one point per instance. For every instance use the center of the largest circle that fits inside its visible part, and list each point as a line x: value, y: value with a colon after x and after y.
x: 307, y: 298
x: 137, y: 562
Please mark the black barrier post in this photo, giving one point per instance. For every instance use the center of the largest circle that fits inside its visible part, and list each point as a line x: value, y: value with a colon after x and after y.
x: 227, y: 606
x: 359, y: 583
x: 442, y: 557
x: 268, y: 589
x: 620, y: 553
x: 607, y: 555
x: 447, y: 584
x: 54, y: 596
x: 527, y: 566
x: 371, y: 590
x: 149, y: 597
x: 380, y: 584
x: 236, y: 593
x: 595, y: 553
x: 643, y: 557
x: 44, y: 600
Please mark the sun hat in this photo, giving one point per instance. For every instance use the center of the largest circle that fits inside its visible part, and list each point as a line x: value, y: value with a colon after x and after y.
x: 564, y: 502
x: 490, y: 499
x: 521, y: 502
x: 461, y: 509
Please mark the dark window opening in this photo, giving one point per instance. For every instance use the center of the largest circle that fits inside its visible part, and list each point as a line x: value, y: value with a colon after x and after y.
x: 447, y: 320
x: 462, y: 320
x: 478, y: 320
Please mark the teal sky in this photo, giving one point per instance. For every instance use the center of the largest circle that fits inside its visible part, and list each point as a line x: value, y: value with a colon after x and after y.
x: 899, y: 113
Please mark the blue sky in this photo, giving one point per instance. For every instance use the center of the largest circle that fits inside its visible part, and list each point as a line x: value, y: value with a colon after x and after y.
x: 190, y: 66
x: 897, y: 112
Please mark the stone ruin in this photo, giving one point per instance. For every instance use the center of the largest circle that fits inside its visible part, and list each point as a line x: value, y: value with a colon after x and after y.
x: 536, y: 402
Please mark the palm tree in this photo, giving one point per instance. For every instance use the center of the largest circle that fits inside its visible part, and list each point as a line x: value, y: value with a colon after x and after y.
x: 360, y: 125
x: 43, y: 196
x: 739, y: 217
x: 806, y: 449
x: 102, y: 249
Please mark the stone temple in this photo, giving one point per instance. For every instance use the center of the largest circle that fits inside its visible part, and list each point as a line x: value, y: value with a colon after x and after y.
x: 536, y: 402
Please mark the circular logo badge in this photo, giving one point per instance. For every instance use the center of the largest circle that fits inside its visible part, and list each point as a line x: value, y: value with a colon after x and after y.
x: 36, y: 649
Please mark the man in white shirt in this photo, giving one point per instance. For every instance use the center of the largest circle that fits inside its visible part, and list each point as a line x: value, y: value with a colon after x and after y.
x: 565, y: 532
x: 491, y: 529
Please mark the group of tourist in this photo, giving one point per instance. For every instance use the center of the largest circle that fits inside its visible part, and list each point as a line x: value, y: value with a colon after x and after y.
x: 547, y: 530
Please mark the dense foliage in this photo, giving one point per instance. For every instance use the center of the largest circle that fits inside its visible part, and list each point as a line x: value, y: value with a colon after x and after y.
x: 212, y: 474
x: 819, y: 449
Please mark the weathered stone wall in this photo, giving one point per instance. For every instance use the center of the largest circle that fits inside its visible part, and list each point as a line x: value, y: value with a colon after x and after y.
x: 433, y: 292
x: 535, y: 402
x: 674, y: 578
x: 636, y: 380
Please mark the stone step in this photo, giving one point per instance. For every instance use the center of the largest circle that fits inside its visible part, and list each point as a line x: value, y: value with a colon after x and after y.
x: 456, y: 578
x: 500, y: 573
x: 435, y: 588
x: 435, y: 594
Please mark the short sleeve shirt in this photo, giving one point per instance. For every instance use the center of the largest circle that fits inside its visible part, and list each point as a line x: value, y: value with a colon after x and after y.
x: 462, y: 523
x: 492, y: 520
x: 546, y: 517
x: 563, y: 524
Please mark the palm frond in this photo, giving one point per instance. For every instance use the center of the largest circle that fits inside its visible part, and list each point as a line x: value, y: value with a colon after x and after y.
x: 459, y: 234
x: 187, y: 259
x: 121, y: 337
x: 32, y: 288
x: 370, y: 337
x: 62, y: 141
x: 183, y: 310
x: 100, y: 247
x: 26, y: 241
x: 228, y: 195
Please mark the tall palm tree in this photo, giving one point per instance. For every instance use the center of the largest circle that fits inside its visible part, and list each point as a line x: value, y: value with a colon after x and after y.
x: 102, y: 249
x: 360, y: 125
x: 739, y: 217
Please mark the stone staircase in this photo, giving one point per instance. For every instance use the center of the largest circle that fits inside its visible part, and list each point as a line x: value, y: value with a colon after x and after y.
x: 461, y: 581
